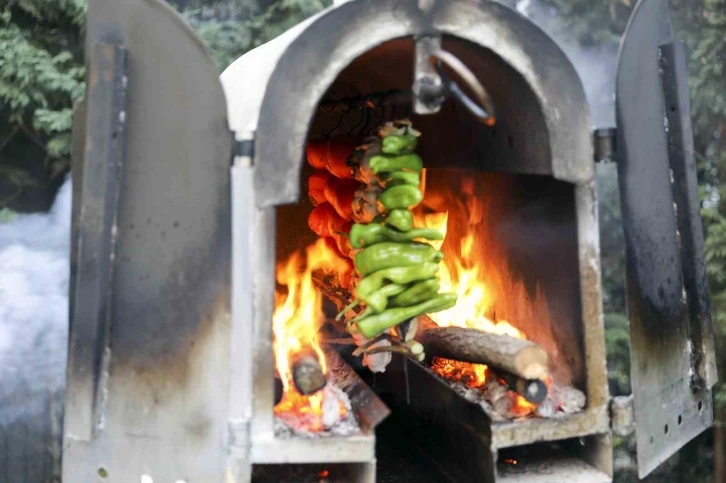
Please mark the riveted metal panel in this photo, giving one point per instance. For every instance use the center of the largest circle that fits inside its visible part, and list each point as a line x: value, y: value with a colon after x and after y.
x: 667, y: 298
x: 161, y: 408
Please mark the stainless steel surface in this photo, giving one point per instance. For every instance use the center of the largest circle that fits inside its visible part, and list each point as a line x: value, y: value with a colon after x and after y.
x: 287, y: 108
x: 588, y: 422
x: 239, y: 463
x: 559, y: 470
x: 427, y: 84
x: 96, y: 249
x: 669, y: 410
x: 166, y: 395
x: 682, y: 160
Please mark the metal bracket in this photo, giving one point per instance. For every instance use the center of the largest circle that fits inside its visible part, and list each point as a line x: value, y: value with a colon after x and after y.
x: 432, y: 86
x: 427, y: 87
x: 243, y: 148
x: 604, y: 143
x: 101, y: 179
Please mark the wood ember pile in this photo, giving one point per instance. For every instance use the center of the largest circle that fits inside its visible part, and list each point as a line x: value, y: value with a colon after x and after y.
x: 501, y: 403
x: 291, y: 424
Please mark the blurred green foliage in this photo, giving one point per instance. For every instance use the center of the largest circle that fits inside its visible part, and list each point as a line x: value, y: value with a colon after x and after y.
x: 42, y: 72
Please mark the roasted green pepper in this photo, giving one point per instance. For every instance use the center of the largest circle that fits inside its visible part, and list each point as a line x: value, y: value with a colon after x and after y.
x: 400, y: 219
x: 402, y: 177
x: 362, y: 236
x: 418, y: 293
x: 402, y: 144
x: 401, y: 197
x: 377, y: 301
x: 390, y: 254
x: 375, y: 324
x: 404, y: 162
x: 397, y: 275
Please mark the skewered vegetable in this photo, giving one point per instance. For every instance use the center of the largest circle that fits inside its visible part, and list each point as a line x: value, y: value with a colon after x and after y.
x: 402, y: 177
x: 325, y: 221
x: 336, y: 160
x: 401, y: 197
x: 340, y: 193
x: 400, y: 219
x: 398, y: 275
x: 418, y: 293
x: 365, y: 203
x: 403, y: 144
x: 315, y: 152
x: 390, y: 254
x: 375, y: 324
x: 362, y: 236
x: 316, y: 187
x: 387, y: 164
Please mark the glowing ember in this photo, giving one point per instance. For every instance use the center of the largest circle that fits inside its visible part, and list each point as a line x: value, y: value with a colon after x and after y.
x: 295, y: 324
x: 475, y: 376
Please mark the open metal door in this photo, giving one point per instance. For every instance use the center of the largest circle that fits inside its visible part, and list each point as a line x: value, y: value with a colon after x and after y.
x: 148, y: 364
x: 673, y: 361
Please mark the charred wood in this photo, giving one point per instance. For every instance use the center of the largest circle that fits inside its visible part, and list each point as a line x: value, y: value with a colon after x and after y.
x: 520, y: 357
x: 278, y: 390
x: 307, y: 375
x: 533, y: 390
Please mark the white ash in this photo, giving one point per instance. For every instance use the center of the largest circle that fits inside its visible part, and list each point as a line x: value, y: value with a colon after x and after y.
x: 498, y: 401
x: 567, y: 398
x: 334, y: 425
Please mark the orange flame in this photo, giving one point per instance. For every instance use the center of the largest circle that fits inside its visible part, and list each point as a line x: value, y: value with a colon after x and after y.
x: 475, y: 269
x: 297, y: 318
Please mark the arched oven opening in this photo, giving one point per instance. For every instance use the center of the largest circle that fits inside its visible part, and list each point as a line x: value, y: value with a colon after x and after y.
x: 511, y: 255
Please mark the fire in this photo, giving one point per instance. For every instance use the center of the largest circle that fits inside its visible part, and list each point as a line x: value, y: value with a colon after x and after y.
x: 474, y: 269
x: 295, y: 323
x: 463, y: 271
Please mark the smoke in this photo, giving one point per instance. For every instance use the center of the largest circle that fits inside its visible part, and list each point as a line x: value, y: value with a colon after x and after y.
x: 596, y: 65
x: 34, y: 272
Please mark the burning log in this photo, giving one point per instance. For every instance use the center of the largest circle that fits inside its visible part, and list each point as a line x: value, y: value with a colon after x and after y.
x: 307, y: 375
x: 533, y: 390
x: 519, y: 357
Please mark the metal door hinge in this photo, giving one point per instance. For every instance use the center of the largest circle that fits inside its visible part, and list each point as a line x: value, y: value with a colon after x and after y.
x: 604, y: 143
x: 243, y: 148
x: 621, y: 415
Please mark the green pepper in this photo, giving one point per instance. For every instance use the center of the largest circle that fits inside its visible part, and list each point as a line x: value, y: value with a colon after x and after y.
x: 377, y: 301
x: 397, y: 275
x: 397, y: 178
x: 391, y: 254
x: 402, y: 144
x: 375, y: 324
x: 387, y: 164
x: 418, y: 293
x: 402, y: 220
x: 401, y: 197
x: 362, y: 236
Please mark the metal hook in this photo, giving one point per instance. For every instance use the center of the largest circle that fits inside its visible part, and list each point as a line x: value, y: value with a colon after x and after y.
x: 484, y: 109
x: 337, y: 126
x: 362, y: 123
